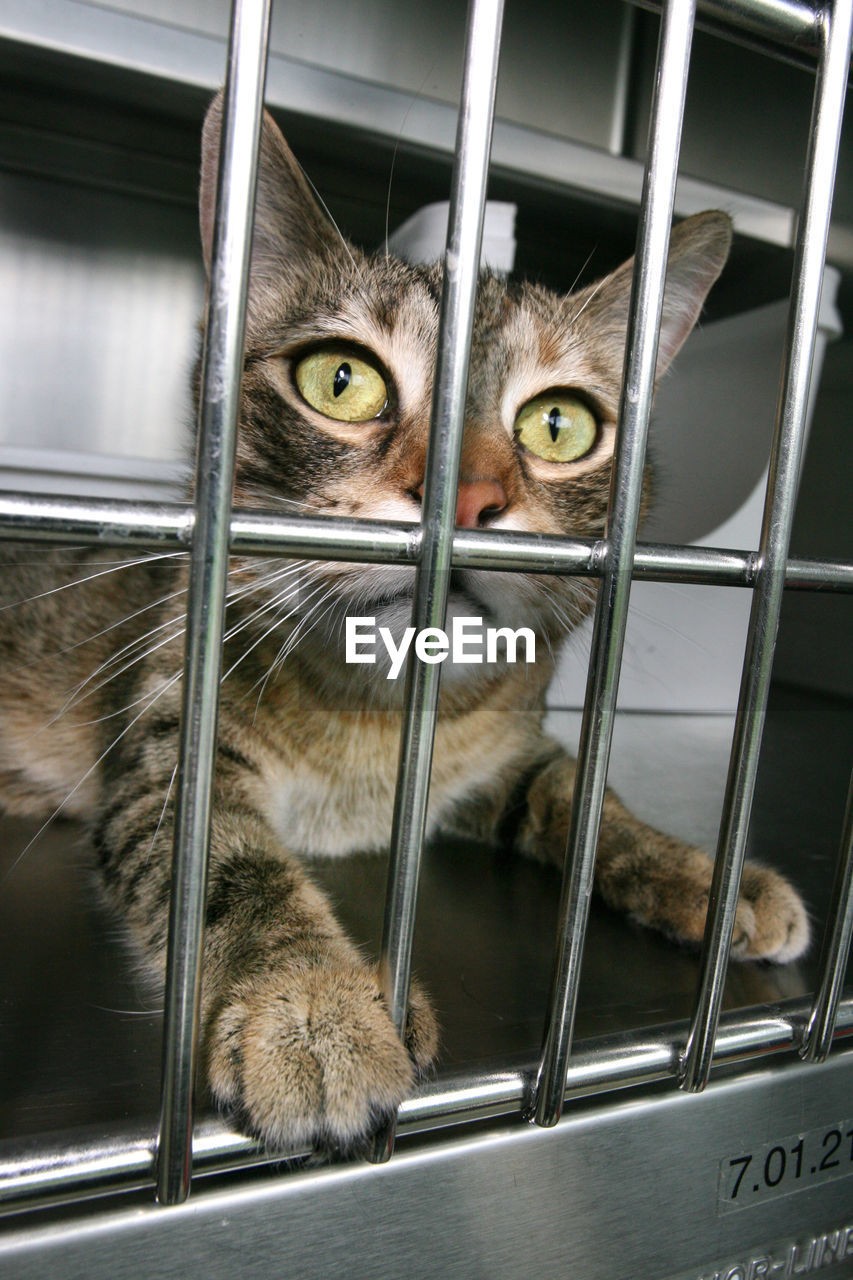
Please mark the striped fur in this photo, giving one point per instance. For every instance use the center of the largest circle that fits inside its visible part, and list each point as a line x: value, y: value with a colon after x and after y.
x: 297, y: 1037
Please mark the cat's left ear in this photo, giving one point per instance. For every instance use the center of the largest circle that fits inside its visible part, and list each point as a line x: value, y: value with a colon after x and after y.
x: 292, y: 233
x: 698, y: 249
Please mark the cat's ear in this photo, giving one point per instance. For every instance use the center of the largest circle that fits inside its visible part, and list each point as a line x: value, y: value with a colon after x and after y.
x: 698, y: 249
x: 291, y: 230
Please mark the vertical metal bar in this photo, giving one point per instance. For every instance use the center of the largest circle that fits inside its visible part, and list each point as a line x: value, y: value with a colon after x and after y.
x: 220, y: 397
x: 613, y: 594
x: 835, y: 949
x: 461, y: 271
x: 775, y: 536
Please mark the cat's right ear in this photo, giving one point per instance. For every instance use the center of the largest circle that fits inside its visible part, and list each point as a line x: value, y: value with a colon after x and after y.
x: 291, y: 230
x: 698, y: 249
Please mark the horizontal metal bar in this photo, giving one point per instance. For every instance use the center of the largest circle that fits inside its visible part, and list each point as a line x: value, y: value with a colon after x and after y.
x: 37, y: 1172
x: 148, y: 526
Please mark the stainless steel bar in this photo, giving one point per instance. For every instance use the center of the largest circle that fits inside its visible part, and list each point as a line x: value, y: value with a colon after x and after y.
x: 787, y: 22
x: 33, y: 1174
x: 611, y: 612
x: 36, y: 517
x: 835, y: 949
x: 220, y: 397
x: 775, y: 537
x: 165, y: 527
x: 438, y: 516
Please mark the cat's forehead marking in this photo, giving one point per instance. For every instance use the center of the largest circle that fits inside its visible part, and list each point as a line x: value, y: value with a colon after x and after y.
x: 544, y: 350
x: 400, y: 326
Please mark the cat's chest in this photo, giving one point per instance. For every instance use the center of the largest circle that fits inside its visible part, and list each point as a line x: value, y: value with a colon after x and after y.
x: 337, y: 797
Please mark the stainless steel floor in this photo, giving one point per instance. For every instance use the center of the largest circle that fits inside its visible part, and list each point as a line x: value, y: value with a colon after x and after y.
x: 80, y: 1032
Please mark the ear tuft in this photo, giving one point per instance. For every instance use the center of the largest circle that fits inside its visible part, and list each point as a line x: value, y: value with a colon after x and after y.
x: 291, y: 230
x: 698, y: 250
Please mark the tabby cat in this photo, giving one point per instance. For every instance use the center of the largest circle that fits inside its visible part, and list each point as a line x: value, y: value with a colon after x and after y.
x: 339, y: 361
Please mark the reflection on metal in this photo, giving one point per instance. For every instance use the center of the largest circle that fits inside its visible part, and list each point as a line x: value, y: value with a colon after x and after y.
x: 621, y: 122
x: 35, y: 1174
x: 164, y: 527
x: 611, y: 608
x: 220, y: 405
x: 783, y: 22
x: 600, y: 1196
x: 835, y: 950
x: 438, y: 517
x: 782, y: 483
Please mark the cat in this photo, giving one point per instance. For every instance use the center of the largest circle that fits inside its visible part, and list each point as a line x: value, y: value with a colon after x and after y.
x: 339, y: 361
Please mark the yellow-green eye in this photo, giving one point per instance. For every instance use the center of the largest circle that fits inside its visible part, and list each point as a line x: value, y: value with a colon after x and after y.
x: 341, y: 385
x: 556, y: 426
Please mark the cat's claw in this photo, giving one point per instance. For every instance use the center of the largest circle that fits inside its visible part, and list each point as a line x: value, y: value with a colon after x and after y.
x: 771, y: 921
x: 309, y: 1055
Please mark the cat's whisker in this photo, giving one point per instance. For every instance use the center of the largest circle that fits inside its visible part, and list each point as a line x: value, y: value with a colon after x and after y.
x: 246, y: 622
x: 303, y: 628
x: 334, y: 224
x: 589, y: 258
x: 257, y: 581
x: 127, y: 1013
x: 577, y: 315
x: 64, y: 586
x: 78, y: 695
x: 274, y: 666
x: 290, y: 643
x: 272, y: 602
x: 311, y: 507
x: 280, y: 618
x: 173, y: 595
x: 162, y: 811
x: 119, y: 711
x: 685, y: 637
x: 92, y: 684
x: 416, y: 97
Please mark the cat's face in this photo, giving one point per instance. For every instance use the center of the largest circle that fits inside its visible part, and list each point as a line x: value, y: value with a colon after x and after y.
x: 337, y: 389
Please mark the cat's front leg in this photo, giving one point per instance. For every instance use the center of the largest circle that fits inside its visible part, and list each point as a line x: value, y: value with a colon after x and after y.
x: 658, y: 880
x: 297, y: 1039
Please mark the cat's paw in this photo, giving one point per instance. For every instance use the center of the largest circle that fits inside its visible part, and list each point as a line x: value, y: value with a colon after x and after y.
x: 771, y: 921
x: 309, y: 1055
x: 668, y: 885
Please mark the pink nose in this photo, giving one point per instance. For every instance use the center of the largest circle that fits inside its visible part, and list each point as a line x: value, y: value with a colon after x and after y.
x: 476, y: 502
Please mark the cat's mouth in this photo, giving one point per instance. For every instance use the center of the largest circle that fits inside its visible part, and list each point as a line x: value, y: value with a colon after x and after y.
x: 461, y: 598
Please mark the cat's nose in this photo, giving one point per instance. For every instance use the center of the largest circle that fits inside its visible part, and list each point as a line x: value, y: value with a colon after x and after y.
x: 477, y: 502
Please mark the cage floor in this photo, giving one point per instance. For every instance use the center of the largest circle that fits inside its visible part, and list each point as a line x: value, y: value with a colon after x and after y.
x: 81, y: 1031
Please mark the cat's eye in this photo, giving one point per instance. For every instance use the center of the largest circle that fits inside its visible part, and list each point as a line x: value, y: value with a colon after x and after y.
x: 557, y: 426
x: 341, y: 384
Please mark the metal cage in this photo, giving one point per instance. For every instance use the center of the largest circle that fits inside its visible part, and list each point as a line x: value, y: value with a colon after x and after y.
x: 681, y: 1056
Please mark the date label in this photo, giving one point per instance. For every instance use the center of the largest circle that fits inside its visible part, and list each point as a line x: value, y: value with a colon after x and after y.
x: 791, y: 1164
